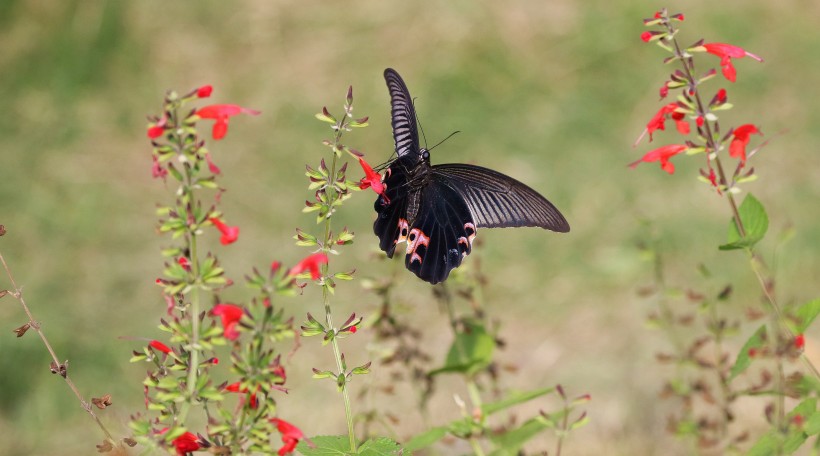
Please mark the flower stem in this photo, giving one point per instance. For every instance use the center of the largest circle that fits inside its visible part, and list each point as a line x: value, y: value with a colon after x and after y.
x: 36, y: 326
x: 193, y: 360
x: 332, y: 196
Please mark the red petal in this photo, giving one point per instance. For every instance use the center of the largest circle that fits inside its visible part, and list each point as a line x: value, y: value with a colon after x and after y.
x: 155, y: 132
x: 159, y: 346
x: 204, y: 91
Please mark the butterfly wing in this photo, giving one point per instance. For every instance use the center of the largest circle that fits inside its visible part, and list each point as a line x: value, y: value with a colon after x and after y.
x: 402, y: 114
x: 496, y: 200
x: 391, y: 207
x: 442, y: 233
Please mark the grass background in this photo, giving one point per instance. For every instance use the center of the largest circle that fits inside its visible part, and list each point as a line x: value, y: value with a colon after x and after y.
x: 553, y: 93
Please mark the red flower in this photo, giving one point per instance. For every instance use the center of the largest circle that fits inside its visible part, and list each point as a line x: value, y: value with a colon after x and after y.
x: 156, y: 169
x: 662, y: 154
x: 186, y: 443
x: 664, y: 90
x: 159, y: 346
x: 155, y: 131
x: 799, y: 341
x: 737, y: 149
x: 204, y: 91
x: 221, y: 113
x: 229, y: 233
x: 230, y: 314
x: 211, y: 166
x: 658, y: 121
x: 726, y: 52
x: 290, y: 435
x: 371, y: 179
x: 646, y: 36
x: 234, y: 388
x: 721, y: 96
x: 186, y: 265
x: 310, y: 263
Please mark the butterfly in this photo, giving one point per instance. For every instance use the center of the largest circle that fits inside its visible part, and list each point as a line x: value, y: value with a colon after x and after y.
x: 437, y: 209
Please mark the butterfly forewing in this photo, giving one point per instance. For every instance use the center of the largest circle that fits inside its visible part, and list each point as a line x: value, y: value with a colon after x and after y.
x: 402, y: 114
x: 499, y: 201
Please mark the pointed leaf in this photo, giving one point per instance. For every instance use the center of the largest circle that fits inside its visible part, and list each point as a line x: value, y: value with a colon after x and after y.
x: 755, y: 223
x: 743, y: 359
x: 426, y: 439
x: 514, y: 399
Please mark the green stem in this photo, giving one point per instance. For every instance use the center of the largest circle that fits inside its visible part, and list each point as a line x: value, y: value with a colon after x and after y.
x: 193, y: 360
x: 332, y: 196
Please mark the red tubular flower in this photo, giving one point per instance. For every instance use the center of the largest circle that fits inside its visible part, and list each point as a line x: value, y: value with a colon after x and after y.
x: 230, y: 315
x: 726, y: 52
x: 658, y: 121
x: 291, y: 435
x: 234, y: 388
x: 157, y: 169
x: 646, y: 36
x: 221, y: 113
x: 155, y: 131
x: 737, y: 148
x: 186, y: 443
x: 799, y: 341
x: 159, y: 346
x: 204, y: 91
x: 229, y: 233
x: 211, y: 166
x: 371, y: 179
x: 662, y: 154
x: 310, y: 263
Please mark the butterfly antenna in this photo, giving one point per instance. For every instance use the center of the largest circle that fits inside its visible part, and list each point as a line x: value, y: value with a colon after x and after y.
x: 445, y: 139
x: 418, y: 120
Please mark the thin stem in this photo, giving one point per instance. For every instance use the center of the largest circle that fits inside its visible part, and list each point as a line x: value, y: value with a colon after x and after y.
x: 36, y: 326
x: 193, y: 313
x: 333, y: 194
x: 193, y: 360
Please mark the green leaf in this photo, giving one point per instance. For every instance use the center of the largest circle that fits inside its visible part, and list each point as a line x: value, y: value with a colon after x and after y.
x: 512, y: 440
x: 380, y: 446
x: 514, y: 399
x: 755, y: 223
x: 766, y: 445
x: 743, y: 359
x: 471, y: 351
x: 806, y: 314
x: 813, y: 424
x: 425, y: 439
x: 325, y: 445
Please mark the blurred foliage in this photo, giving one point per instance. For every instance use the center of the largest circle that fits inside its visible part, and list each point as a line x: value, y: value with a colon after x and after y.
x: 553, y: 93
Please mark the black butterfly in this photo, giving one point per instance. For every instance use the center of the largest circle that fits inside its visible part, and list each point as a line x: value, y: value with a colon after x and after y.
x: 437, y: 209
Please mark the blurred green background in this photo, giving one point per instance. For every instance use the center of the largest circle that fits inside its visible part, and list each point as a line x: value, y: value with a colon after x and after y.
x: 553, y: 93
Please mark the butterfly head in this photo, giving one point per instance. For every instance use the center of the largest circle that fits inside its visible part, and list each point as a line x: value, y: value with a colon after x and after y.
x: 425, y: 155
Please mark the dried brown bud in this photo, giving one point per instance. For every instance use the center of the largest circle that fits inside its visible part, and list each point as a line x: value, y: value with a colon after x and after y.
x: 129, y: 441
x: 105, y: 447
x: 22, y: 329
x: 61, y: 369
x: 102, y: 402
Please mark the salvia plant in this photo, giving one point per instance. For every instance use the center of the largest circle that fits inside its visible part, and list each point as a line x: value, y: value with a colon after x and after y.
x: 714, y: 370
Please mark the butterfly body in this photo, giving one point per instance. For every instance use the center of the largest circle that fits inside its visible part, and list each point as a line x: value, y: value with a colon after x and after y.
x: 437, y: 209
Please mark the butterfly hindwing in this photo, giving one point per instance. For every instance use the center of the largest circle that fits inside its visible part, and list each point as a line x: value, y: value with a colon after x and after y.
x: 442, y: 233
x: 499, y: 201
x: 391, y: 207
